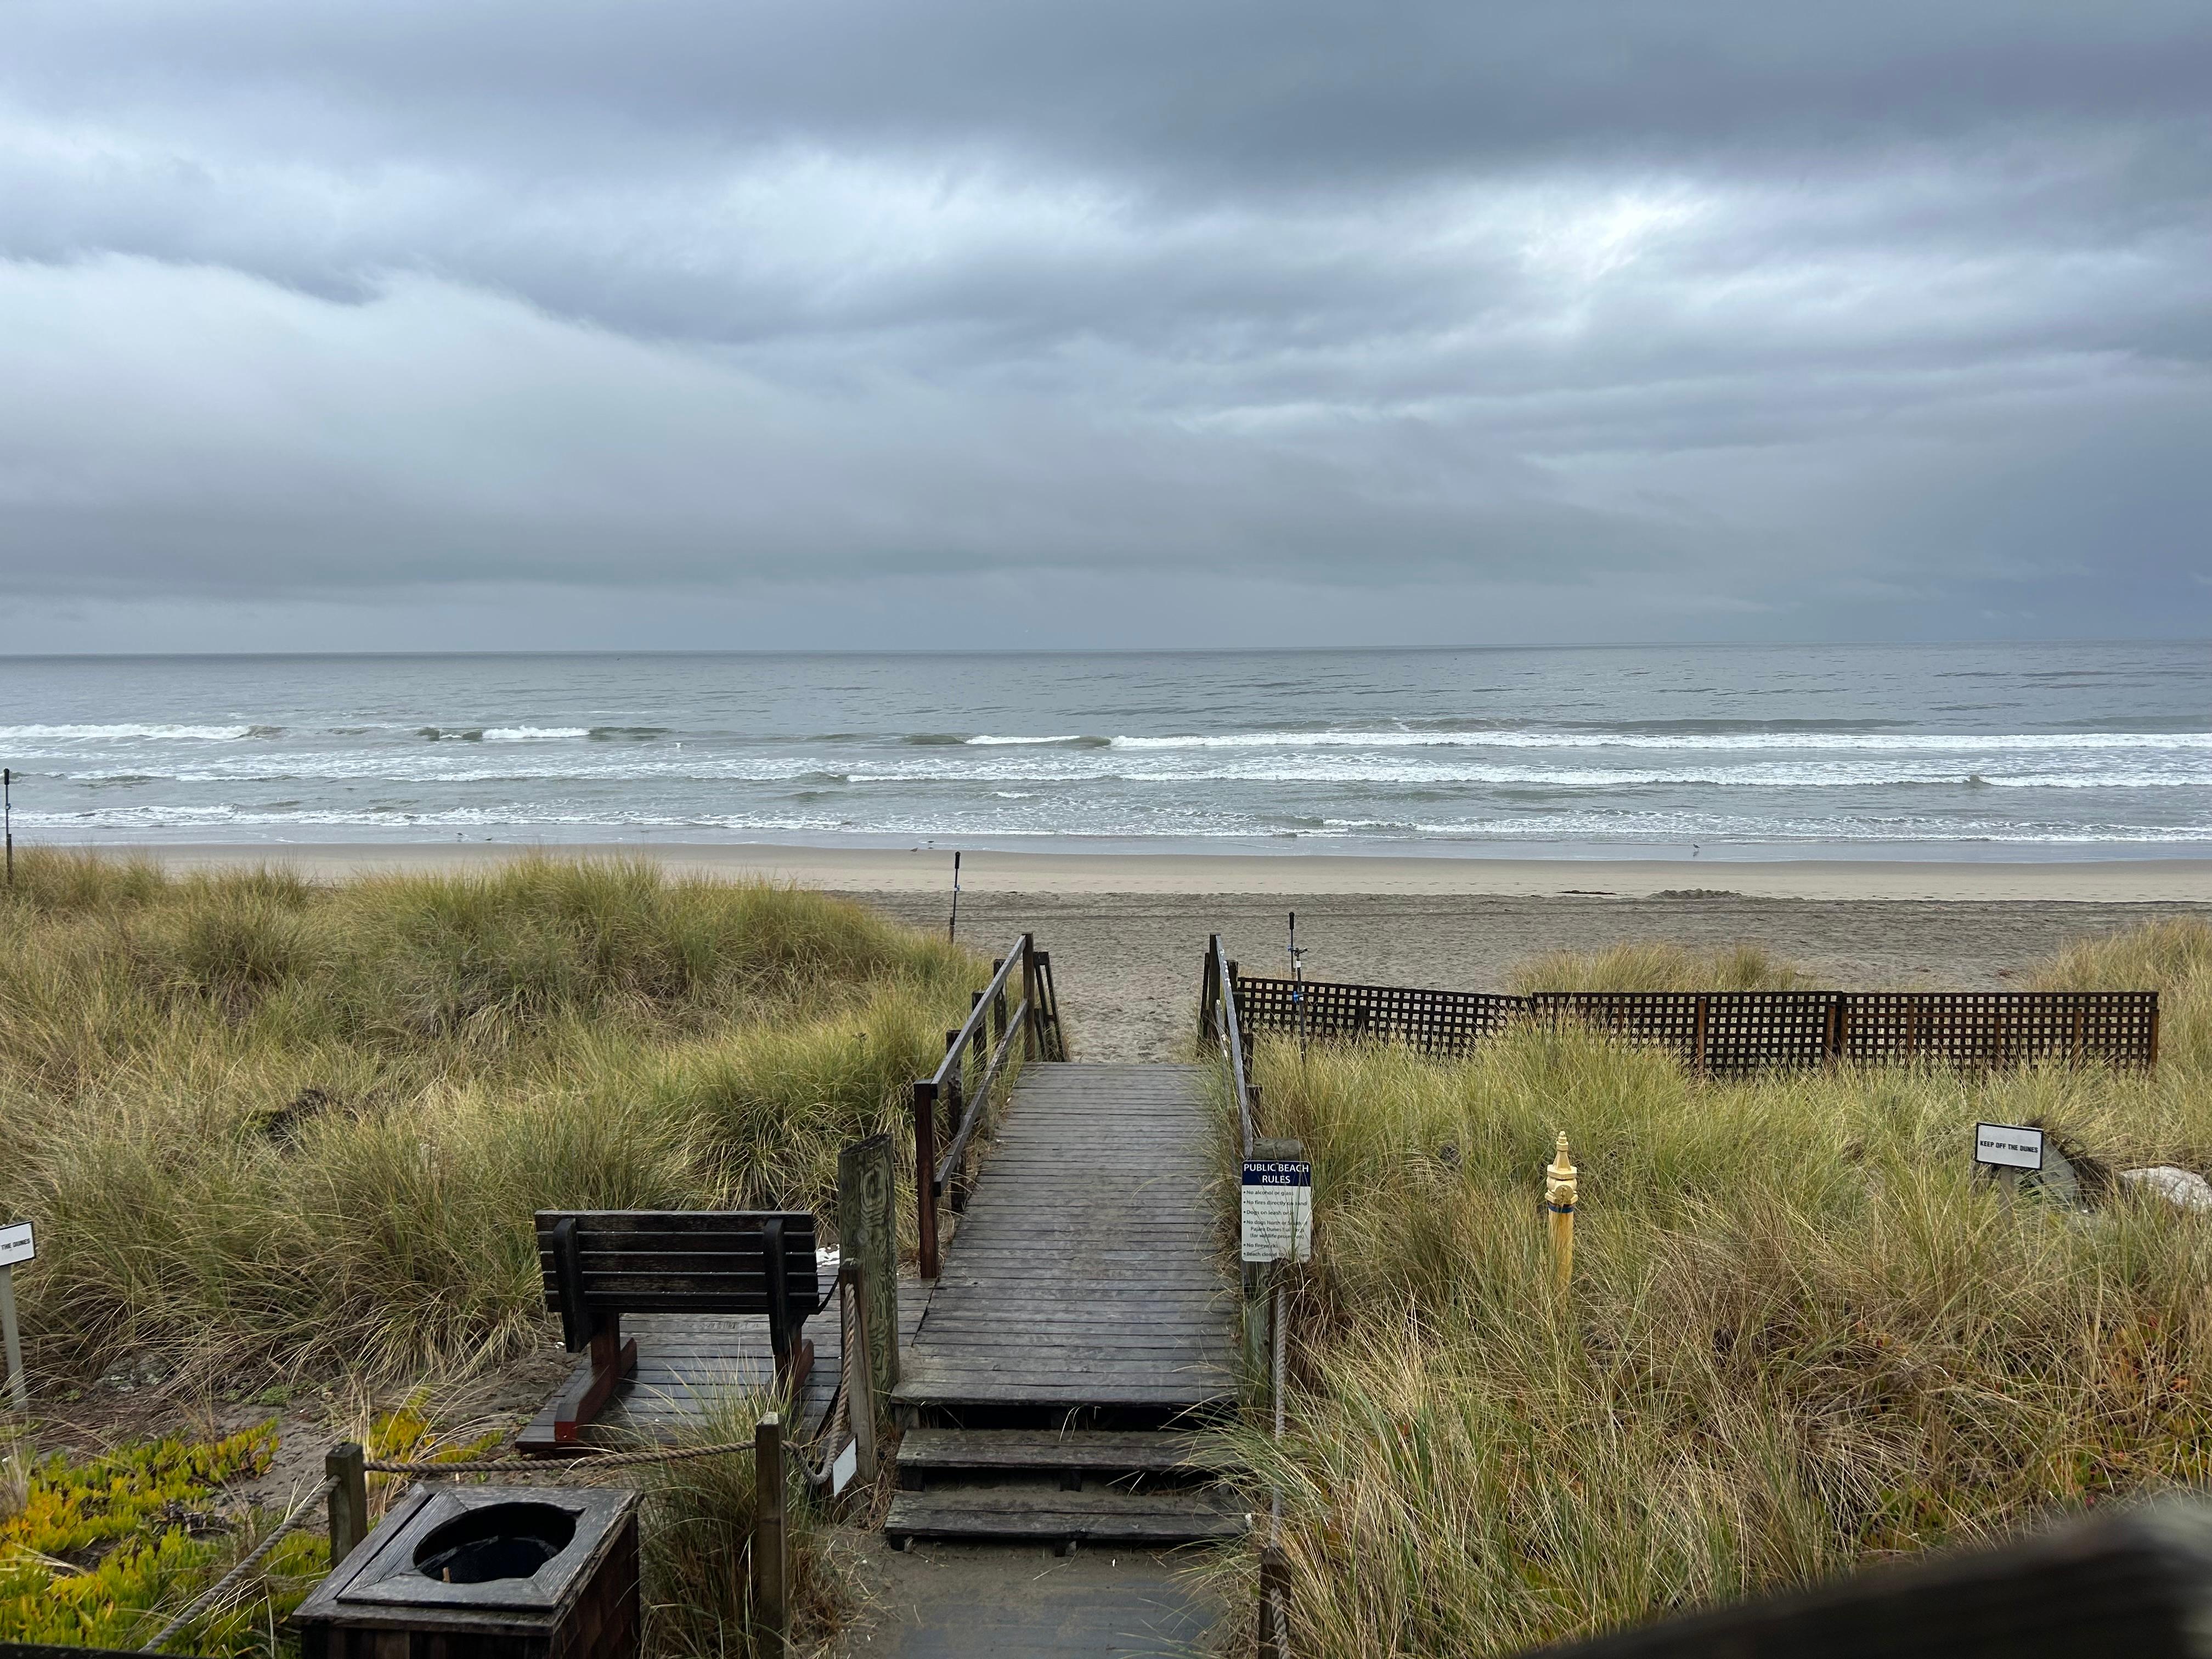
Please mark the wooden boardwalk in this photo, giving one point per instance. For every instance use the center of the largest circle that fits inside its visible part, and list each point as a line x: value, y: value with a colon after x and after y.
x: 688, y: 1364
x: 1085, y: 1271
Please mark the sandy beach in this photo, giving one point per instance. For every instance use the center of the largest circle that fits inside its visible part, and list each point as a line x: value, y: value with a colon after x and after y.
x: 1127, y: 932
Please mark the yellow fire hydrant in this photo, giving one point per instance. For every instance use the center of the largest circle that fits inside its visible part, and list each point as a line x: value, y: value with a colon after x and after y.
x: 1559, y: 1205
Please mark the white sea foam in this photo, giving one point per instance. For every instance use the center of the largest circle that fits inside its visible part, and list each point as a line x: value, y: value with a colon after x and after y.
x: 1964, y: 742
x: 428, y: 766
x: 534, y: 733
x: 131, y: 732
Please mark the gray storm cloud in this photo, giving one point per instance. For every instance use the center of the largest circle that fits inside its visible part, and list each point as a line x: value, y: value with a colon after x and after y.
x: 672, y: 323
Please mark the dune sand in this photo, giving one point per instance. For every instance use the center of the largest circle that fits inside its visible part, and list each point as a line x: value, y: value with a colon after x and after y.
x: 1127, y: 932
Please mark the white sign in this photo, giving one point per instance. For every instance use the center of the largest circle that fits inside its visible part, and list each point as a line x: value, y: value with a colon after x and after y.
x: 2008, y: 1146
x: 1278, y: 1210
x: 15, y: 1242
x: 842, y: 1468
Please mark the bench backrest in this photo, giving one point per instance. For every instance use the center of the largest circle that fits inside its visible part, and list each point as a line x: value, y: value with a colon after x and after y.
x: 675, y: 1262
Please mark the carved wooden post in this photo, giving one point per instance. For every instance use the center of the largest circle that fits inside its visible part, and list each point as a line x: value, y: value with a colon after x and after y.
x: 867, y: 1234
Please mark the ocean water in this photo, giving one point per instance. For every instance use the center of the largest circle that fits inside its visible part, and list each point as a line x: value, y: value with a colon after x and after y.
x: 1992, y: 751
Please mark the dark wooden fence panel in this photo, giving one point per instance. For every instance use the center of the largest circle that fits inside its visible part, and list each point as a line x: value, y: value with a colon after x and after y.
x: 2002, y: 1028
x: 1435, y: 1021
x: 1730, y: 1033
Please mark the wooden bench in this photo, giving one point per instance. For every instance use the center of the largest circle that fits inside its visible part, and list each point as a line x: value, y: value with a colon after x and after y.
x: 601, y: 1264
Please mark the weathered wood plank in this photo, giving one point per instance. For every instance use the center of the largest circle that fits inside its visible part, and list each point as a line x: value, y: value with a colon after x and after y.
x: 1090, y: 1450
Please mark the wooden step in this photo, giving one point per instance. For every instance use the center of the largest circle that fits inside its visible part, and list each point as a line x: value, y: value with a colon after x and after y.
x: 929, y: 1457
x: 1102, y: 1515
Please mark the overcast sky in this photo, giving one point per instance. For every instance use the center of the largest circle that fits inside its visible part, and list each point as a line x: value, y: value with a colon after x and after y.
x: 480, y: 323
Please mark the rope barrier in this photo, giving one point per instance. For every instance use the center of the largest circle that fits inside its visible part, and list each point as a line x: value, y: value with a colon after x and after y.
x: 590, y: 1459
x: 260, y: 1553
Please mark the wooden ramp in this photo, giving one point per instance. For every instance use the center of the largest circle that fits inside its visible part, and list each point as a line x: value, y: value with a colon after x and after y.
x: 1085, y: 1271
x: 1083, y: 1310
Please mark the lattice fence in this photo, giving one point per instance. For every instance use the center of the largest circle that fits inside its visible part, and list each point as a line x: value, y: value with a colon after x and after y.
x: 1729, y: 1033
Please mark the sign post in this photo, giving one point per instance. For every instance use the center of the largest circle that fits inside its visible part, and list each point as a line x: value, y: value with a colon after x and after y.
x: 17, y: 1244
x: 1278, y: 1218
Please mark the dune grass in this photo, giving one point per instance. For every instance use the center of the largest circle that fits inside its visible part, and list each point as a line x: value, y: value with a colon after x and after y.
x: 267, y: 1126
x: 1655, y: 966
x: 1799, y: 1335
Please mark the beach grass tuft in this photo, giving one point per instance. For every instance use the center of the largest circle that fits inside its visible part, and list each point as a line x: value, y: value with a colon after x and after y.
x: 1655, y: 966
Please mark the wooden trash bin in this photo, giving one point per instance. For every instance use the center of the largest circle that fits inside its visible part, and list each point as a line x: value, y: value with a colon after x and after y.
x: 485, y: 1572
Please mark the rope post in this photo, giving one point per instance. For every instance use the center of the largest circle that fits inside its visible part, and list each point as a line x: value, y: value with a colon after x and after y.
x: 1559, y: 1194
x: 771, y: 1542
x: 8, y: 814
x: 859, y: 1372
x: 1274, y: 1602
x: 344, y: 1464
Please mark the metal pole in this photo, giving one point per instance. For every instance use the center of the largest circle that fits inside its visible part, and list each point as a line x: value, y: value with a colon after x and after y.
x: 1282, y: 1328
x: 18, y: 1391
x: 952, y: 927
x: 1298, y: 987
x: 7, y: 817
x: 1273, y: 1611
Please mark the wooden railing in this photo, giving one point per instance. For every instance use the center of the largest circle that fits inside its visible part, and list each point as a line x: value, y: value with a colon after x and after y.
x: 1220, y: 1022
x: 2138, y: 1583
x: 974, y: 1060
x: 1730, y: 1033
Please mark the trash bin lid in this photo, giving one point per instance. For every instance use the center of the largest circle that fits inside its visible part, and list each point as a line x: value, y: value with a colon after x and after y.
x: 495, y: 1549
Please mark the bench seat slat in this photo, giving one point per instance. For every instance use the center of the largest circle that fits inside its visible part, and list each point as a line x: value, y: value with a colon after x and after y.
x: 685, y: 1301
x: 664, y: 1262
x: 607, y: 1290
x: 705, y: 1238
x: 798, y: 1224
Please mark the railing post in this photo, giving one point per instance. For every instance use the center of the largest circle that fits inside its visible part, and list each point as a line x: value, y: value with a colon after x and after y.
x: 955, y: 1091
x: 1209, y: 988
x: 771, y: 1543
x: 349, y: 1504
x: 1056, y: 1048
x: 1032, y: 1039
x: 925, y: 1174
x: 995, y: 1026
